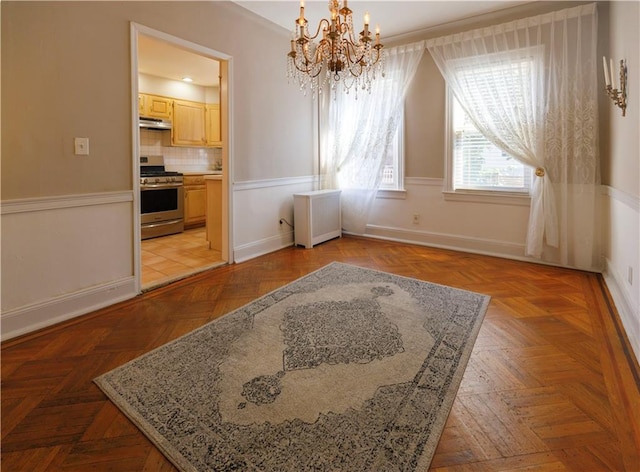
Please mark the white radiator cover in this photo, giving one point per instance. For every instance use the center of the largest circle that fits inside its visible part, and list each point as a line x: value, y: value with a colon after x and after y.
x: 317, y: 217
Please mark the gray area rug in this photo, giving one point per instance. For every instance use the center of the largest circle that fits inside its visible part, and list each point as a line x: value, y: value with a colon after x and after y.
x: 345, y: 369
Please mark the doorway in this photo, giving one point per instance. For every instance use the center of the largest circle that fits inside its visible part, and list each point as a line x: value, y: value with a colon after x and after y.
x: 160, y: 62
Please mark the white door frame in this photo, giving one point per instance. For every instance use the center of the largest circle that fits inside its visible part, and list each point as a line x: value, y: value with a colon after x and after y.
x: 226, y: 114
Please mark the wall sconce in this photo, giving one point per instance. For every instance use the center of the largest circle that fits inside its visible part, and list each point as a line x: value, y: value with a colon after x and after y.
x: 619, y: 96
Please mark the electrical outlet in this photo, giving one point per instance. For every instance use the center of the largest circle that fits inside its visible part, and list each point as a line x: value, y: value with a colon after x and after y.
x: 630, y: 275
x: 416, y: 219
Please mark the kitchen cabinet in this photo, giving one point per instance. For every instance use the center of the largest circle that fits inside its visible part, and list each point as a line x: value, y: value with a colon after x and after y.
x: 212, y: 120
x: 188, y: 124
x: 154, y: 106
x: 195, y: 200
x: 193, y: 123
x: 214, y: 212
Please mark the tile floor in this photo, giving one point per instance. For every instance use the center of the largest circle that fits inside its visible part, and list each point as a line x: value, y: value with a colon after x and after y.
x: 173, y: 257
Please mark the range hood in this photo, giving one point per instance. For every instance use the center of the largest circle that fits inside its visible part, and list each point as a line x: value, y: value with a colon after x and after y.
x: 154, y: 123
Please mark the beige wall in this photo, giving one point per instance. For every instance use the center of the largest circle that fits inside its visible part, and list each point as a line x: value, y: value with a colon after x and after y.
x: 621, y: 159
x: 66, y: 73
x: 425, y: 121
x: 620, y: 153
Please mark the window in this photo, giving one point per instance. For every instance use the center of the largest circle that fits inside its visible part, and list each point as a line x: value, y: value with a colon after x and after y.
x: 393, y: 165
x: 495, y: 85
x: 476, y: 163
x: 393, y: 162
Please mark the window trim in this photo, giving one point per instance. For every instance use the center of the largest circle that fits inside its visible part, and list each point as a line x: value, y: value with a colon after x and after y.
x: 487, y: 196
x: 391, y: 193
x: 387, y: 192
x: 467, y: 195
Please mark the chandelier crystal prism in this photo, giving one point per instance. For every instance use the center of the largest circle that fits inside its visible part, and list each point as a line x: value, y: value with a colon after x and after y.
x: 335, y: 54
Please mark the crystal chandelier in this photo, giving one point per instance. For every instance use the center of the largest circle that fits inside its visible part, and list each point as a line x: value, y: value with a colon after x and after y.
x: 339, y: 56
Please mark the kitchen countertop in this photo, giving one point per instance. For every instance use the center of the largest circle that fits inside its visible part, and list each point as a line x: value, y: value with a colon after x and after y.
x: 203, y: 172
x: 213, y: 177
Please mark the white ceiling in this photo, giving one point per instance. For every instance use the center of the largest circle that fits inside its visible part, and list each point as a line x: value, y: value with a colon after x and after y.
x: 394, y: 17
x: 162, y: 59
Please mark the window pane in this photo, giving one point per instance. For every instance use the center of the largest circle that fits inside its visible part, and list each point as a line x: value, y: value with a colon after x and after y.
x: 391, y: 167
x: 392, y: 164
x: 478, y: 164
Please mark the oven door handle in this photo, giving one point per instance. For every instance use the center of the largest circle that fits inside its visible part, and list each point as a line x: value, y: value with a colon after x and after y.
x: 163, y: 223
x: 156, y: 186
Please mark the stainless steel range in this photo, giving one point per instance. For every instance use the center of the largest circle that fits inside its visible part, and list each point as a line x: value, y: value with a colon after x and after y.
x: 161, y: 198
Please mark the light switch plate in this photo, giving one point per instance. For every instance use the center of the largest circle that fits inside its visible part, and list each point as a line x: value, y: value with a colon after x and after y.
x: 81, y: 146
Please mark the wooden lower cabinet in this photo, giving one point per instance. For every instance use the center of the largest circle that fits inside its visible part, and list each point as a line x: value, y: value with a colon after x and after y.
x: 195, y: 201
x: 214, y: 213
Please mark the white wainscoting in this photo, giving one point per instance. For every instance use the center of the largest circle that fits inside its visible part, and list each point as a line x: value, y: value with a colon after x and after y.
x: 258, y: 207
x: 64, y: 256
x: 622, y: 255
x: 483, y: 227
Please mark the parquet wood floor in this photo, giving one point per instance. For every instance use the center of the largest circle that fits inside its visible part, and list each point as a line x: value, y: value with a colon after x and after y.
x: 551, y: 383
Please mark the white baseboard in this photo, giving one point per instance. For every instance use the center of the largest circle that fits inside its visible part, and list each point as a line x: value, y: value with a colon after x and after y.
x: 41, y: 315
x: 449, y: 241
x: 628, y: 310
x: 263, y: 246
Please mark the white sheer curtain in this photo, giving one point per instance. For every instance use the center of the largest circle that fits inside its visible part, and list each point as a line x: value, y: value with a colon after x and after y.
x: 358, y: 130
x: 530, y: 86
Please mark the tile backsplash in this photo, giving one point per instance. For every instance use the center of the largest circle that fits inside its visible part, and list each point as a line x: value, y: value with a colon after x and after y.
x: 183, y: 159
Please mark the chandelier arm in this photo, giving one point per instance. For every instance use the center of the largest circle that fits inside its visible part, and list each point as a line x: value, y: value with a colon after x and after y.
x: 351, y: 52
x: 304, y: 63
x: 378, y: 55
x: 307, y: 71
x: 344, y: 29
x: 322, y: 21
x: 323, y: 46
x: 304, y: 66
x: 356, y: 68
x: 305, y: 52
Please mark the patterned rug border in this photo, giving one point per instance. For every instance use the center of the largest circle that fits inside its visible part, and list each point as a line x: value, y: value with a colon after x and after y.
x: 170, y: 451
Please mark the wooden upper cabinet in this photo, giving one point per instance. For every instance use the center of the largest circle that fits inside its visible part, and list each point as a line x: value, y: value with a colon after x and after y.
x: 141, y: 104
x: 155, y: 106
x: 212, y: 119
x: 188, y: 124
x: 194, y: 123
